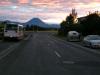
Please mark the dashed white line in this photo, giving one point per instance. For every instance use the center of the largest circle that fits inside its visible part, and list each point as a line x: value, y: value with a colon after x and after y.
x: 58, y: 55
x: 27, y: 37
x: 68, y: 62
x: 48, y: 44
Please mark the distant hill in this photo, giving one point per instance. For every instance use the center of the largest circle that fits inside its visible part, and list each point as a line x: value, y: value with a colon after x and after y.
x: 8, y: 21
x: 40, y: 23
x: 36, y: 22
x: 54, y: 26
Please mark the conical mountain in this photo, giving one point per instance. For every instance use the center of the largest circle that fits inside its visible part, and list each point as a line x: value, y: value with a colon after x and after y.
x: 37, y: 22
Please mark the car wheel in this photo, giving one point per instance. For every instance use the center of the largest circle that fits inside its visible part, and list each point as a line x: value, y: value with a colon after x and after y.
x: 90, y: 45
x: 84, y: 44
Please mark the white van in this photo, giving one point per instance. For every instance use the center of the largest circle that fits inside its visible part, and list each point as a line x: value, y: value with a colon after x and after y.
x: 73, y: 36
x: 13, y: 30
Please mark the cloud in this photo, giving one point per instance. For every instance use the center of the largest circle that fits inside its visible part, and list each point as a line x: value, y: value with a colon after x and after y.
x: 23, y: 1
x: 47, y: 10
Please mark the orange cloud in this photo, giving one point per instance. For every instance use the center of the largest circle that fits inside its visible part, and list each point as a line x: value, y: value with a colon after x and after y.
x: 23, y: 1
x: 47, y: 3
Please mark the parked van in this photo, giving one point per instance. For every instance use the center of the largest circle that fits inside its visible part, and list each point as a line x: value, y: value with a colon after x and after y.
x: 13, y: 30
x: 73, y: 36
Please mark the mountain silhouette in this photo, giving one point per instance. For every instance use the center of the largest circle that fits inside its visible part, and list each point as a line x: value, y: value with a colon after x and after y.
x: 40, y: 23
x: 37, y: 22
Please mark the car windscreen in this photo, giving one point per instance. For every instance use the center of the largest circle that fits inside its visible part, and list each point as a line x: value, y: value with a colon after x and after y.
x: 11, y: 27
x: 95, y: 38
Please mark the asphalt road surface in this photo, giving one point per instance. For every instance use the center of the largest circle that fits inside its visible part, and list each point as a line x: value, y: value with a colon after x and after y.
x: 43, y: 54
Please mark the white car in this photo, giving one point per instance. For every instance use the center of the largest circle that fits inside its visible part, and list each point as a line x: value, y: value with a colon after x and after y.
x: 92, y: 41
x: 73, y: 36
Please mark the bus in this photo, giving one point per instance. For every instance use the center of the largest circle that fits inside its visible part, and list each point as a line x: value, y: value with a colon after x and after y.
x: 13, y: 30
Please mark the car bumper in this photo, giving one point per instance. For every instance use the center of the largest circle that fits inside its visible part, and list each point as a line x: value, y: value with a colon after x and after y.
x: 95, y: 46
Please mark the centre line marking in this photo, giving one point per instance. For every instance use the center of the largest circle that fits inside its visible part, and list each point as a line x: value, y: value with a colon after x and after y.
x: 58, y: 55
x: 68, y: 62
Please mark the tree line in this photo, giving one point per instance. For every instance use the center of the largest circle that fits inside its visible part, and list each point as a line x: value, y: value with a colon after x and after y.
x: 86, y: 25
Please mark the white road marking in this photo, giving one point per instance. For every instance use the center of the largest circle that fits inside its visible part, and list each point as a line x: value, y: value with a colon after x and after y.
x: 8, y: 50
x: 68, y: 62
x: 58, y: 55
x: 48, y: 44
x: 27, y: 37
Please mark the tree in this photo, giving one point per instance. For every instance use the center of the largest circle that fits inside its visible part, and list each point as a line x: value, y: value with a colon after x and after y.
x: 69, y: 24
x: 70, y: 20
x: 62, y: 31
x: 91, y: 24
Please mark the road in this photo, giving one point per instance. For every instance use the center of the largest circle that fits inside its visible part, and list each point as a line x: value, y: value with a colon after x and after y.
x: 43, y: 54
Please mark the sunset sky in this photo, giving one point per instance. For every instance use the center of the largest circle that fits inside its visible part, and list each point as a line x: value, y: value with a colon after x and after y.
x: 50, y: 11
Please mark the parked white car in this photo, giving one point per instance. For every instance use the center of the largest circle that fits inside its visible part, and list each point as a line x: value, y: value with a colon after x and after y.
x: 92, y: 41
x: 73, y: 36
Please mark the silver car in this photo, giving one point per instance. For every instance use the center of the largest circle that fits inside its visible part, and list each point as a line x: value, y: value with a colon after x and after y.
x: 92, y: 41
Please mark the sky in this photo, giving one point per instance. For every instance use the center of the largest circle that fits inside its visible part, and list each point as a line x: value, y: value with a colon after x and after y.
x: 50, y: 11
